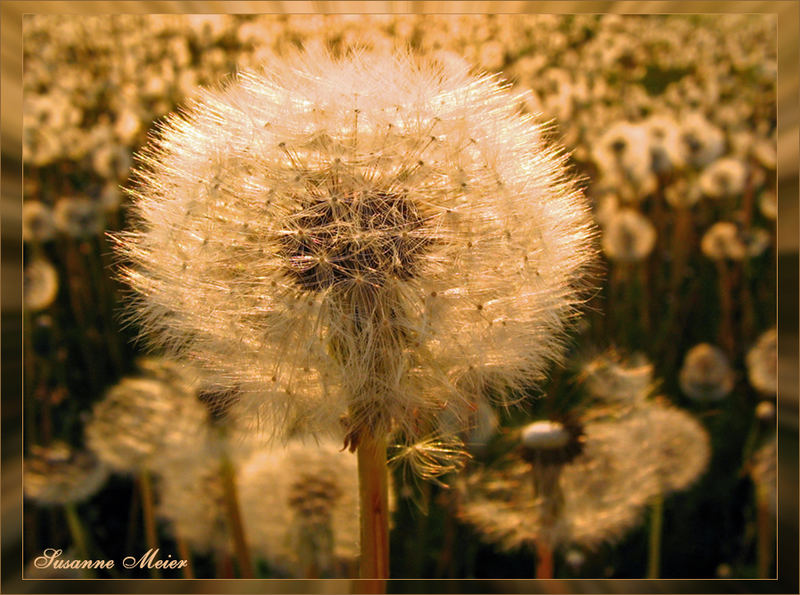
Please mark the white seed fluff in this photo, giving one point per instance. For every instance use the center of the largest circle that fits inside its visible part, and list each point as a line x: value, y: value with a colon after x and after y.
x: 379, y: 236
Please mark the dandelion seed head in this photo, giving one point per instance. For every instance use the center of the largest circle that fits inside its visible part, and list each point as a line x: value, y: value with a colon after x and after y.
x: 706, y: 375
x: 625, y: 147
x: 600, y: 495
x: 723, y: 241
x: 762, y: 363
x: 703, y: 142
x: 142, y: 420
x: 78, y: 217
x: 724, y: 178
x: 629, y: 236
x: 58, y: 474
x: 37, y: 222
x: 304, y: 493
x: 674, y: 445
x: 666, y: 150
x: 373, y: 235
x: 40, y: 284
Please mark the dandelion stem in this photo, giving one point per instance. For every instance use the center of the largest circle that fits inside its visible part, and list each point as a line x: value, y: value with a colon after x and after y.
x: 544, y: 560
x: 726, y: 338
x: 373, y: 498
x: 148, y: 510
x: 235, y: 519
x: 132, y: 514
x: 656, y: 523
x: 78, y: 534
x: 185, y: 554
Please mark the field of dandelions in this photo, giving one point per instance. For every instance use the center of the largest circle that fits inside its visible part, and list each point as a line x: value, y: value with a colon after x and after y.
x: 642, y: 444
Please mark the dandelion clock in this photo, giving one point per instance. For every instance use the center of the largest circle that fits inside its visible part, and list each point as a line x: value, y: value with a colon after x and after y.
x: 376, y: 238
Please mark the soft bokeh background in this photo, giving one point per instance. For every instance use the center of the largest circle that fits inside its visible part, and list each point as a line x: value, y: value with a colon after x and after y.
x: 94, y: 86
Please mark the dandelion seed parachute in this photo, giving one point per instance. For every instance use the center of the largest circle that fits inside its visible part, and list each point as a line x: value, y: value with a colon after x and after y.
x: 377, y: 235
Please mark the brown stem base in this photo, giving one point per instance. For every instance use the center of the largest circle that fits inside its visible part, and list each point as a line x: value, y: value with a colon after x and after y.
x: 373, y: 497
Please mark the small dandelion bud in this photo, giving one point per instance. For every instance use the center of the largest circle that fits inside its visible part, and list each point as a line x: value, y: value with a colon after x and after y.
x: 37, y: 222
x: 706, y: 375
x: 40, y: 284
x: 59, y: 475
x: 628, y: 237
x: 79, y: 217
x: 545, y: 435
x: 762, y: 363
x: 723, y: 178
x: 373, y: 236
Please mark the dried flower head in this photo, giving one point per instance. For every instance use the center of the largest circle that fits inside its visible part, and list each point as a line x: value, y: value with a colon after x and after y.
x: 40, y: 284
x: 37, y: 222
x: 375, y: 235
x: 300, y: 507
x: 143, y: 420
x: 723, y: 178
x: 592, y: 497
x: 57, y: 474
x: 706, y: 375
x: 79, y: 217
x: 762, y: 363
x: 629, y: 236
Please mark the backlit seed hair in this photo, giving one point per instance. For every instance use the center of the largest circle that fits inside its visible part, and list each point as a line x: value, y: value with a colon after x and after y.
x: 376, y: 236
